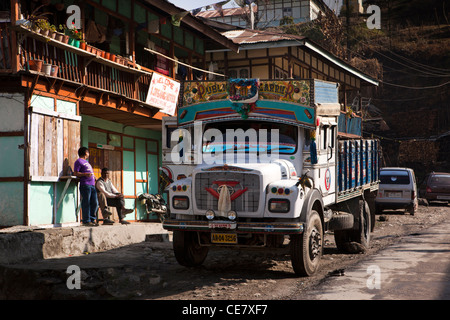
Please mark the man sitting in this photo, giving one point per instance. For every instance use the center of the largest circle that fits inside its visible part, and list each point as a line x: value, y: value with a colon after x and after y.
x: 108, y: 195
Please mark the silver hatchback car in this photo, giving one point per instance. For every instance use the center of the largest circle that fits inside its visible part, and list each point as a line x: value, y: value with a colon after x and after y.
x: 397, y: 190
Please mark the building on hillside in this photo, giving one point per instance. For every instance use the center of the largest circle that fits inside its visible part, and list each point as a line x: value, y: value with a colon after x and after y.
x: 58, y: 94
x: 268, y: 13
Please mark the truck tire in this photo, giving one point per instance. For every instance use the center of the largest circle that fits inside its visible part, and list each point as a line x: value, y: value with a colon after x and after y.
x: 306, y: 248
x: 341, y: 221
x: 187, y: 249
x: 362, y: 234
x: 412, y: 209
x: 356, y: 240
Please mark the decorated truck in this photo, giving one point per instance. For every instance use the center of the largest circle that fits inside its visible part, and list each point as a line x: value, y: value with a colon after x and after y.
x: 263, y: 164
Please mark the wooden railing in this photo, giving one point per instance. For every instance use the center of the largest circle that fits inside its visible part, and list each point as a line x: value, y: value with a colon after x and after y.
x: 83, y: 67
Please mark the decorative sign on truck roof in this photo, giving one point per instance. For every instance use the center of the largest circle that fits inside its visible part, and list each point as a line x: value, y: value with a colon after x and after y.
x: 296, y: 91
x: 287, y: 101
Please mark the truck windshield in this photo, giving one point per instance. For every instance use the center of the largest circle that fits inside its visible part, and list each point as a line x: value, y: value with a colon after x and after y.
x: 250, y: 136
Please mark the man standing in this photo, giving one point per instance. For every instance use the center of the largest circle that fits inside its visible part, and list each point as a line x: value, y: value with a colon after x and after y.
x: 108, y: 195
x: 89, y: 204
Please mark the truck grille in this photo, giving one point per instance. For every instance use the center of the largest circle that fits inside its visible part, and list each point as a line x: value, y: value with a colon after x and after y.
x: 246, y: 202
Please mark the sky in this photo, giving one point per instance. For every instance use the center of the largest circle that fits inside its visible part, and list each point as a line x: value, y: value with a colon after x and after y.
x: 194, y: 4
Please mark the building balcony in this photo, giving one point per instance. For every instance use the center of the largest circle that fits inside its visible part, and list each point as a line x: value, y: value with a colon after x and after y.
x: 88, y: 69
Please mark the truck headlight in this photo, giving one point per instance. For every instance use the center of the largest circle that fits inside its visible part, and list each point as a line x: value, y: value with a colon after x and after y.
x: 279, y: 205
x: 232, y: 215
x: 210, y: 214
x: 180, y: 202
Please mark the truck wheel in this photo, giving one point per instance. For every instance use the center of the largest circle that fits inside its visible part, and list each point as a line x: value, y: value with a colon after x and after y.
x: 341, y: 221
x: 187, y: 249
x: 307, y: 248
x: 362, y: 234
x: 356, y: 240
x: 412, y: 209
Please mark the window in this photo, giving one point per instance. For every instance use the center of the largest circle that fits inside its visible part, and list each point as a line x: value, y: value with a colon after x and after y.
x: 323, y: 133
x: 287, y: 12
x: 440, y: 180
x: 394, y: 177
x: 332, y: 134
x: 239, y: 73
x: 232, y: 73
x: 243, y: 73
x: 280, y: 74
x: 250, y: 131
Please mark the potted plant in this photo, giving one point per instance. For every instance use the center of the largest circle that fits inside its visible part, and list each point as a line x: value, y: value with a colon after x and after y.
x: 75, y: 35
x: 94, y: 50
x: 36, y: 64
x: 44, y: 26
x: 52, y: 32
x: 59, y: 36
x: 47, y: 68
x: 62, y: 34
x: 54, y: 71
x: 32, y: 20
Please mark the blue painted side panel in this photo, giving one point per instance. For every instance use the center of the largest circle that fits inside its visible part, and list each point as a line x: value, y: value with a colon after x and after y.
x: 349, y: 125
x: 358, y: 163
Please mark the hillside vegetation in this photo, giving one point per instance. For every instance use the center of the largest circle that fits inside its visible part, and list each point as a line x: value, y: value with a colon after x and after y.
x: 410, y: 55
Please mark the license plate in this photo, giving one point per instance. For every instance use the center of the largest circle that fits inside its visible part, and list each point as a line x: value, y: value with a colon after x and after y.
x: 443, y: 197
x: 230, y: 238
x: 394, y: 194
x: 222, y: 225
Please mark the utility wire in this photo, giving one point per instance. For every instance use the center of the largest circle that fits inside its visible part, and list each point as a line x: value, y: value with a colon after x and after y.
x: 415, y: 88
x: 398, y: 62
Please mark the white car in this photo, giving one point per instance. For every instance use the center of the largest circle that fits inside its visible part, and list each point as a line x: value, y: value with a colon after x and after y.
x: 397, y: 190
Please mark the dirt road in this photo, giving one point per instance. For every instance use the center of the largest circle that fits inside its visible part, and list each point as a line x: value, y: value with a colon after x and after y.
x: 235, y: 274
x: 148, y: 270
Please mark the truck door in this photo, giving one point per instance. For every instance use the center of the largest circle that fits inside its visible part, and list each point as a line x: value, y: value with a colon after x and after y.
x: 172, y: 170
x: 169, y: 124
x: 327, y: 159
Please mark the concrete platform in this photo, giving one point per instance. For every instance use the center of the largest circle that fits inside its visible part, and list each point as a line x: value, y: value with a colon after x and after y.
x: 28, y: 244
x: 115, y: 261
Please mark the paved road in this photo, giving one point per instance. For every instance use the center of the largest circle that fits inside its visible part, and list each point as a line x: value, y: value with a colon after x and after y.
x: 416, y: 268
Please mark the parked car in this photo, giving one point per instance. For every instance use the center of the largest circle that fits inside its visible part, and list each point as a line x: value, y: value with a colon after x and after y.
x: 436, y: 186
x: 397, y: 190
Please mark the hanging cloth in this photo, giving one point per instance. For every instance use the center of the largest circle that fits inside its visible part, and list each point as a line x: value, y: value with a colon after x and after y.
x: 224, y: 203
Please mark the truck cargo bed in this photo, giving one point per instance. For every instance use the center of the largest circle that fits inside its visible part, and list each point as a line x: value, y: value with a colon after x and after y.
x: 358, y: 167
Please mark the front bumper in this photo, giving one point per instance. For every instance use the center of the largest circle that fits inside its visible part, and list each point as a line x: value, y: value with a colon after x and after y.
x: 239, y: 227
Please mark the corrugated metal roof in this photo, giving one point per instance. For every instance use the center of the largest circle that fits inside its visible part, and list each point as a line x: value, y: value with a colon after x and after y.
x: 256, y: 36
x: 250, y: 38
x: 193, y: 22
x: 226, y: 12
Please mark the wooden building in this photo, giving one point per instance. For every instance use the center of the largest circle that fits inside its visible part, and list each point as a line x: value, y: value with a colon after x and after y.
x: 271, y: 55
x: 268, y: 13
x: 57, y: 95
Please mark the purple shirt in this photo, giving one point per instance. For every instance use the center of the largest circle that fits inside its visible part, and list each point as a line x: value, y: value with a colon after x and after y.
x: 84, y: 166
